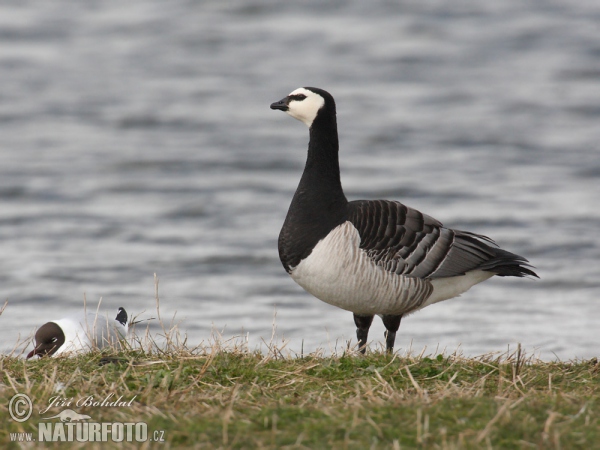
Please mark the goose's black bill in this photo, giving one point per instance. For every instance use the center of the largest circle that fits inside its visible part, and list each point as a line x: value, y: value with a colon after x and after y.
x: 282, y: 104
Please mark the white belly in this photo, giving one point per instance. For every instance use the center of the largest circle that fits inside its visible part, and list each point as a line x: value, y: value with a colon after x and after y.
x: 341, y: 274
x: 338, y: 272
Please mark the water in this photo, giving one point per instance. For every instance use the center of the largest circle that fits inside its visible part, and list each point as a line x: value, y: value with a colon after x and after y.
x: 137, y: 139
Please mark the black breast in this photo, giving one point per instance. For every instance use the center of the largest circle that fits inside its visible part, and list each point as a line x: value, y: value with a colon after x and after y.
x: 308, y: 221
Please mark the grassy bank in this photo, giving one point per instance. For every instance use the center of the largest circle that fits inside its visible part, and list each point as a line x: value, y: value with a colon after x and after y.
x: 229, y: 398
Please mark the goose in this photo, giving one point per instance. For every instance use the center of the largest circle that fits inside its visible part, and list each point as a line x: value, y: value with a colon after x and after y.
x: 79, y: 333
x: 373, y: 257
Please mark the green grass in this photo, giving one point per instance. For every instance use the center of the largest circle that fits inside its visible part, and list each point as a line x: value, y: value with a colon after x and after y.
x: 231, y: 398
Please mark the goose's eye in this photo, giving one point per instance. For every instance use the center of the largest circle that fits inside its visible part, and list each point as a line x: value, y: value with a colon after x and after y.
x: 297, y: 97
x: 53, y: 340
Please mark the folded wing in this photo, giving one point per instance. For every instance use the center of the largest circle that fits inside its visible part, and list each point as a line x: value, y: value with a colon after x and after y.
x: 407, y: 242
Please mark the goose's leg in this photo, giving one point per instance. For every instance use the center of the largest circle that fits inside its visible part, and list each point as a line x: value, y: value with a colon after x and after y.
x: 363, y: 323
x: 392, y: 323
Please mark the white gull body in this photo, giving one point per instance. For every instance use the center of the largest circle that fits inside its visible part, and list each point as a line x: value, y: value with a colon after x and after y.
x: 79, y: 333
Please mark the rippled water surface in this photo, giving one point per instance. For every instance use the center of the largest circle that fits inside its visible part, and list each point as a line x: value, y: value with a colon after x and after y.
x: 136, y: 138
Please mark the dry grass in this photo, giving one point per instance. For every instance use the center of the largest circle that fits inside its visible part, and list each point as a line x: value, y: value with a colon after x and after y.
x: 222, y: 395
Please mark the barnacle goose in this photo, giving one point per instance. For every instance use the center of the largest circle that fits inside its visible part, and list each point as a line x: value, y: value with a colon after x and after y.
x: 373, y: 256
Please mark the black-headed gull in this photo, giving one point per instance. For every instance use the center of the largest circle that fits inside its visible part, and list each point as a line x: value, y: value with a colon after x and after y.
x: 79, y: 333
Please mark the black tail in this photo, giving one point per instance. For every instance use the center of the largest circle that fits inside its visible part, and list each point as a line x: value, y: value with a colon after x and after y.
x: 507, y: 264
x: 122, y: 316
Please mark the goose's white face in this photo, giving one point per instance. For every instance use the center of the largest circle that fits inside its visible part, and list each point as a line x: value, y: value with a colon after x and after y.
x: 304, y: 105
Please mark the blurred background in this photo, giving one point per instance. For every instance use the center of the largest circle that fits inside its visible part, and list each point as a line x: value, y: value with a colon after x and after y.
x: 136, y: 138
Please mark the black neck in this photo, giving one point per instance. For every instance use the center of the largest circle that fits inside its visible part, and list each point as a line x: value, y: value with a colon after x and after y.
x: 319, y: 204
x: 320, y: 186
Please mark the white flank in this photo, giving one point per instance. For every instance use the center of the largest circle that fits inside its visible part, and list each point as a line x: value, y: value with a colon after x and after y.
x: 445, y: 288
x: 338, y: 272
x: 305, y: 110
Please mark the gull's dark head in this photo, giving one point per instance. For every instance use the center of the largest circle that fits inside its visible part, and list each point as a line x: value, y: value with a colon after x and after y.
x: 48, y: 339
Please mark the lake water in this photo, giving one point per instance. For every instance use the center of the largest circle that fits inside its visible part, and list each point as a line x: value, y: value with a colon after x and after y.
x: 136, y: 138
